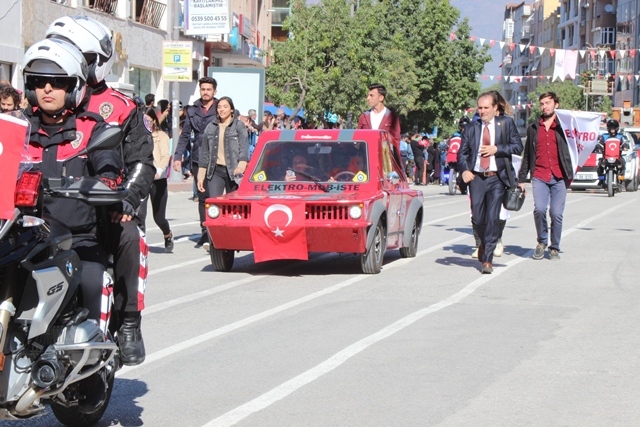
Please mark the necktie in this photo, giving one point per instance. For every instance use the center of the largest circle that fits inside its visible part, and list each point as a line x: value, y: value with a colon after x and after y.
x: 485, y: 162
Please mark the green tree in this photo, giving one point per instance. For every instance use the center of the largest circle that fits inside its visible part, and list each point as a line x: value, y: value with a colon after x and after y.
x: 570, y: 96
x: 333, y: 55
x: 447, y: 69
x: 336, y: 50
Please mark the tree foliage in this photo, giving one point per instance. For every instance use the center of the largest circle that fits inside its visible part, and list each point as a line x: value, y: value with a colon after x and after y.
x: 571, y: 97
x: 338, y: 47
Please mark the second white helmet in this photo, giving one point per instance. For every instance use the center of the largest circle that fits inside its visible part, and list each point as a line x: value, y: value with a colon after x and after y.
x: 92, y: 38
x: 58, y: 59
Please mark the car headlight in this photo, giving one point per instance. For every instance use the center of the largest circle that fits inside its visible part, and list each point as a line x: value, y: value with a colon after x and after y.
x: 355, y: 212
x: 213, y: 211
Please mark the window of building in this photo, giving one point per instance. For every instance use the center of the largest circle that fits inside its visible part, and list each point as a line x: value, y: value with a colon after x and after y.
x: 6, y: 70
x: 143, y: 81
x: 607, y: 36
x: 508, y: 28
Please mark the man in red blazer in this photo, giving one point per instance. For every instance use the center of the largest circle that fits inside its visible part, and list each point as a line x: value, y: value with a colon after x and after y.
x: 379, y: 116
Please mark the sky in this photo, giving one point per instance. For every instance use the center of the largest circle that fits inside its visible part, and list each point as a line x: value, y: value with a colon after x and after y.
x: 485, y: 18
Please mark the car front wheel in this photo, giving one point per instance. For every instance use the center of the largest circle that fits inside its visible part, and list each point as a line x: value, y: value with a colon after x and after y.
x: 222, y: 260
x: 411, y: 250
x: 371, y: 260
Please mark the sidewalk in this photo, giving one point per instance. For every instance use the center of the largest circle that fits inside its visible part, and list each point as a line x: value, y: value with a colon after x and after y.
x: 183, y: 185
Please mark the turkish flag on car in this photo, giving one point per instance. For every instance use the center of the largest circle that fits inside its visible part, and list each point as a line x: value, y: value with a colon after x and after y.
x: 13, y: 132
x: 277, y: 230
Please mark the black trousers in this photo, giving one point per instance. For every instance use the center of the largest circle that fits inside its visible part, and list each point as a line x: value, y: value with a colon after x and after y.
x: 129, y: 248
x: 202, y: 196
x: 94, y: 267
x: 486, y: 200
x: 419, y: 169
x: 159, y: 195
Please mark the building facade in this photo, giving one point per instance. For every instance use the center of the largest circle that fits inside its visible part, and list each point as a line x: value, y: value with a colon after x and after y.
x: 139, y: 28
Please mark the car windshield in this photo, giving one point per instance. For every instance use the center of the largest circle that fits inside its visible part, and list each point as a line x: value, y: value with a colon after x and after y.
x: 319, y: 161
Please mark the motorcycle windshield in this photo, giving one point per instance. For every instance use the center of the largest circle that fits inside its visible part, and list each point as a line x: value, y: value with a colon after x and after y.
x: 14, y: 159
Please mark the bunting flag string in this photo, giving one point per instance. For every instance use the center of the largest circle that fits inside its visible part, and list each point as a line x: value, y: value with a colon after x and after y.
x: 613, y: 53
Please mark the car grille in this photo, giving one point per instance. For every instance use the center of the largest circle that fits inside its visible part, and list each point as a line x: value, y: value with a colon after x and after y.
x: 235, y: 211
x: 314, y: 212
x: 324, y: 212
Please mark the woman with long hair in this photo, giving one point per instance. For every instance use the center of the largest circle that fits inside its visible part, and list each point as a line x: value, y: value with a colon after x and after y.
x: 159, y: 193
x: 224, y: 152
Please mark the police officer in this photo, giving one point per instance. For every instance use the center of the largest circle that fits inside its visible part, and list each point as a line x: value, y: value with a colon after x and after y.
x: 126, y: 239
x: 613, y: 128
x: 55, y: 86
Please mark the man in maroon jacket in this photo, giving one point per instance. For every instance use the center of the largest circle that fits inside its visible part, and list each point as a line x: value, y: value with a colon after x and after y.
x: 379, y: 116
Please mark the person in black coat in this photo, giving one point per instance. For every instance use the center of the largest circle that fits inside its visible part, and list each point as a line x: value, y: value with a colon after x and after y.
x: 418, y: 156
x: 482, y: 163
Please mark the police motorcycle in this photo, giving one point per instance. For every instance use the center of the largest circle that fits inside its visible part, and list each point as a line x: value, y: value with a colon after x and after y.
x: 48, y: 344
x: 611, y: 165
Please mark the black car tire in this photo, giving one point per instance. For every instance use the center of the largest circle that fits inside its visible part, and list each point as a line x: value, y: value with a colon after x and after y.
x: 412, y: 250
x: 221, y: 259
x: 371, y: 260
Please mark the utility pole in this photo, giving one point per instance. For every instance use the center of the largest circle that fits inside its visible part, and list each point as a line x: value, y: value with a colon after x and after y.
x: 174, y: 88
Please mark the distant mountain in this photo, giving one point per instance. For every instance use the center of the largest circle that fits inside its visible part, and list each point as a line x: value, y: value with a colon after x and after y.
x: 486, y: 18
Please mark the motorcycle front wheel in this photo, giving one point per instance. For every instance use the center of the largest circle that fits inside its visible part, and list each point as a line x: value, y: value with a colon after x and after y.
x: 611, y: 179
x: 453, y: 177
x: 71, y: 416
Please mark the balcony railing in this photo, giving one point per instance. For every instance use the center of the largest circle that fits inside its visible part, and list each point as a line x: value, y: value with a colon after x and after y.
x: 106, y: 6
x: 152, y: 12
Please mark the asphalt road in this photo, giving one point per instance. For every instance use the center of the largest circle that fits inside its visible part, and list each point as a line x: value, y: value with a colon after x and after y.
x: 427, y: 342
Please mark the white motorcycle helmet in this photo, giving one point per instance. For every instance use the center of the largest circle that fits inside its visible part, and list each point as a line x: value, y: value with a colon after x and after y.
x: 58, y: 59
x: 92, y: 38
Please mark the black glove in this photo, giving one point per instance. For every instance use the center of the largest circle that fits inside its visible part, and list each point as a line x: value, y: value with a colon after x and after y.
x: 127, y: 208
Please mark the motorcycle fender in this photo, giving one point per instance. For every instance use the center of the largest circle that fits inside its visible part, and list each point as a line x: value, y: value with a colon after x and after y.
x: 414, y: 211
x: 378, y: 209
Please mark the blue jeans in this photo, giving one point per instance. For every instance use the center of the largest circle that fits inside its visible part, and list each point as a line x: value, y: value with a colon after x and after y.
x: 553, y: 195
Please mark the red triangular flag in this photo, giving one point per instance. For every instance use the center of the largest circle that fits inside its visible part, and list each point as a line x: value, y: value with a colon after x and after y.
x: 492, y: 43
x: 552, y: 51
x: 592, y: 53
x: 512, y: 46
x: 612, y: 53
x: 632, y: 52
x: 532, y: 49
x: 472, y: 38
x: 452, y: 36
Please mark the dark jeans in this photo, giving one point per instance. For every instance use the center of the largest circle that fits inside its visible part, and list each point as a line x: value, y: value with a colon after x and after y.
x: 220, y: 182
x: 553, y: 195
x: 419, y: 169
x: 202, y: 197
x: 159, y: 195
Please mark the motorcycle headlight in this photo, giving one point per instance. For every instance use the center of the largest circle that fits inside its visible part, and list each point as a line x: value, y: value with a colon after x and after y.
x: 355, y: 212
x: 213, y: 211
x: 611, y: 159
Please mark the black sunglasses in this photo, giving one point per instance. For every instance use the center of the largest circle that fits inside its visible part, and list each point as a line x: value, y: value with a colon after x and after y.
x: 39, y: 82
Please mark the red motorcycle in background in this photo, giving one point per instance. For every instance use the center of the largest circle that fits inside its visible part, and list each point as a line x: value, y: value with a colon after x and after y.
x: 611, y: 166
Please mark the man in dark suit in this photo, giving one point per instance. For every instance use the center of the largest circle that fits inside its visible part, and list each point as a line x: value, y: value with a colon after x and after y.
x: 379, y: 116
x: 481, y: 162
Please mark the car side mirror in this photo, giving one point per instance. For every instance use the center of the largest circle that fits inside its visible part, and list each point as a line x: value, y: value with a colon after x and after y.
x: 393, y: 177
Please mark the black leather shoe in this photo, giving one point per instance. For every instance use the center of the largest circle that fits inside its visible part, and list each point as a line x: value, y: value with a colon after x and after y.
x: 130, y: 341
